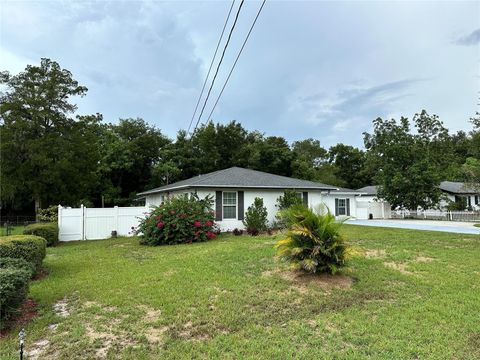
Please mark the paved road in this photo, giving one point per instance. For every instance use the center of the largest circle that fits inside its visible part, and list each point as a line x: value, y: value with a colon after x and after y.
x: 445, y: 226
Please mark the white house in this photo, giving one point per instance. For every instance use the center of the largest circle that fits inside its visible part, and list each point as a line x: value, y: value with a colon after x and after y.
x: 457, y: 191
x: 235, y: 189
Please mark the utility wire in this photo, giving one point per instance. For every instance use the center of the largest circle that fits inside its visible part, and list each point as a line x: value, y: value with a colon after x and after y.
x: 211, y: 64
x: 235, y: 63
x: 218, y: 65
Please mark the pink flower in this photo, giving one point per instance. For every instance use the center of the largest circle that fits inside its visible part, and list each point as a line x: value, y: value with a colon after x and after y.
x: 211, y: 235
x: 209, y: 223
x: 197, y: 224
x: 174, y: 226
x: 160, y: 224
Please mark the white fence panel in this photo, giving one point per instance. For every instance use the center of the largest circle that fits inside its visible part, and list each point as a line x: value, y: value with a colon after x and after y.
x: 70, y: 223
x: 98, y: 223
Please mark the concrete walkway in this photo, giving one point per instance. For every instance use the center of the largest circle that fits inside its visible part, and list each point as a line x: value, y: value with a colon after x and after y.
x: 431, y: 225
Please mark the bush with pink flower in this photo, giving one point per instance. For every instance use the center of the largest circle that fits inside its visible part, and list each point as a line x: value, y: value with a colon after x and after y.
x: 179, y: 220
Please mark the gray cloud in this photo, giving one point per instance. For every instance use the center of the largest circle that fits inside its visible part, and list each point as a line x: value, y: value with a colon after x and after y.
x: 307, y: 79
x: 469, y: 40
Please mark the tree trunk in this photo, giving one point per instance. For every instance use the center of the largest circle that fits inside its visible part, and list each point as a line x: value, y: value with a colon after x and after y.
x: 38, y: 206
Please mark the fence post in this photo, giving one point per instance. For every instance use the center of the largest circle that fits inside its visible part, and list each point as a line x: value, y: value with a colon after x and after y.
x: 59, y: 222
x: 82, y: 219
x: 116, y: 219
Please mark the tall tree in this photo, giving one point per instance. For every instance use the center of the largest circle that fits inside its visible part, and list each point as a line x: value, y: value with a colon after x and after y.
x: 130, y: 150
x: 409, y: 166
x: 44, y: 150
x: 351, y: 165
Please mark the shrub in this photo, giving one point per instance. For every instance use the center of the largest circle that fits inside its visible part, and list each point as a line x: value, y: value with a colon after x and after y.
x: 183, y: 219
x: 28, y: 247
x: 49, y: 214
x: 313, y: 241
x: 48, y: 231
x: 256, y: 217
x: 13, y: 263
x: 237, y: 232
x: 289, y: 198
x: 13, y: 291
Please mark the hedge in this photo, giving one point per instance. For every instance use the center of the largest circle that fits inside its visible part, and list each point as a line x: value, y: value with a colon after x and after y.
x: 28, y: 247
x: 12, y: 263
x: 13, y: 291
x: 48, y: 231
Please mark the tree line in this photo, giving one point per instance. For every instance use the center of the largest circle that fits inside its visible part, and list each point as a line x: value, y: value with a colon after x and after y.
x: 51, y: 156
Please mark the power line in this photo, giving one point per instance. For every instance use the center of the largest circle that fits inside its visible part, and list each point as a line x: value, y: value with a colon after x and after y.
x: 235, y: 63
x: 218, y: 65
x: 211, y: 64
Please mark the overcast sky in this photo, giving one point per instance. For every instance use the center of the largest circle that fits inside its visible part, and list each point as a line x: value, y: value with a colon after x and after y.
x: 310, y: 69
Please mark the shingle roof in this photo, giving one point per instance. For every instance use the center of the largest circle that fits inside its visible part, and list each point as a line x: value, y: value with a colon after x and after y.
x: 348, y: 191
x: 369, y: 190
x: 458, y: 188
x: 241, y: 178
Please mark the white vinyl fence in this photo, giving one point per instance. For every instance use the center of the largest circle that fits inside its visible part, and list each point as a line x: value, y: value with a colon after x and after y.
x: 97, y: 223
x: 437, y: 215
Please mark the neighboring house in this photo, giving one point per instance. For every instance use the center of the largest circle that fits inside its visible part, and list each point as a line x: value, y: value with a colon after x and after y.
x: 458, y: 191
x: 370, y: 207
x: 235, y: 189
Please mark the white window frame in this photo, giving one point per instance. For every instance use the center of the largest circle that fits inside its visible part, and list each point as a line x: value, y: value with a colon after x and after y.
x: 344, y: 207
x: 229, y: 205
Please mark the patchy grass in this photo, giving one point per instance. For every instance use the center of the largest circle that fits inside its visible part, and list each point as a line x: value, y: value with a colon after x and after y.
x: 406, y: 295
x: 476, y: 225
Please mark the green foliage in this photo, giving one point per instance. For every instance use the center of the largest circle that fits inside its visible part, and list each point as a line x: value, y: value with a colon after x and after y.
x: 289, y: 198
x: 351, y: 166
x: 409, y: 166
x: 28, y: 247
x: 256, y: 217
x: 48, y: 231
x: 17, y: 263
x: 49, y: 214
x: 13, y: 291
x: 181, y: 219
x: 47, y: 156
x: 313, y: 242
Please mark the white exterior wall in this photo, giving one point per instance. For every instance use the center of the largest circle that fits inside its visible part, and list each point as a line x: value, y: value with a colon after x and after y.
x: 315, y: 199
x: 368, y: 204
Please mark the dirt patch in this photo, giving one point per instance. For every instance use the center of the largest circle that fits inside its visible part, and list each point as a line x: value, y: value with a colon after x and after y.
x: 301, y: 280
x: 36, y: 350
x: 107, y: 340
x: 156, y: 335
x: 401, y: 267
x: 61, y: 308
x: 151, y: 314
x: 26, y: 313
x: 42, y: 274
x: 375, y: 253
x: 424, y: 259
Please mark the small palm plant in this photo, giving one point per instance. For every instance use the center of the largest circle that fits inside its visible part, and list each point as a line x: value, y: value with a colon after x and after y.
x: 313, y: 241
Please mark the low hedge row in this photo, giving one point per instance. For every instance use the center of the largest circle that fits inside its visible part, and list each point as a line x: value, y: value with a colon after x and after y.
x: 48, y: 231
x: 28, y: 247
x: 22, y: 264
x: 13, y: 291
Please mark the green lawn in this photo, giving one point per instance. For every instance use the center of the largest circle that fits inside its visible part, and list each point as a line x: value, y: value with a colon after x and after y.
x: 415, y: 295
x: 477, y: 225
x: 14, y: 230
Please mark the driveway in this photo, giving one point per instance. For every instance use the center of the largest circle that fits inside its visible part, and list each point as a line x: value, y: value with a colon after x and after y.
x: 431, y: 225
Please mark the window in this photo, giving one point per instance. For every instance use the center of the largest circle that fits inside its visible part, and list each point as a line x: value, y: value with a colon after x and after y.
x: 477, y: 199
x: 229, y: 205
x: 342, y: 207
